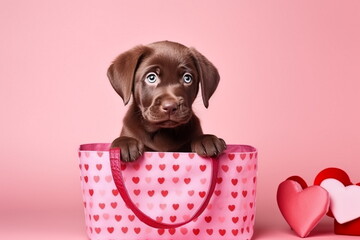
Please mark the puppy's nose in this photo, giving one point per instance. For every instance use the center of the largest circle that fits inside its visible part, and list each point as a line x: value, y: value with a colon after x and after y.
x: 169, y: 106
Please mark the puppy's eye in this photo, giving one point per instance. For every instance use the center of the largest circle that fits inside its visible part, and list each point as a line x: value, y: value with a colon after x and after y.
x: 187, y: 78
x: 151, y: 77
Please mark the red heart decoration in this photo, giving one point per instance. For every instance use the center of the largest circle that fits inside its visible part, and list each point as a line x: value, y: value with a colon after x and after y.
x: 217, y: 192
x: 302, y: 208
x: 349, y: 228
x: 190, y: 206
x: 164, y: 193
x: 244, y: 193
x: 299, y: 180
x: 131, y: 217
x: 222, y: 232
x: 334, y: 173
x: 99, y: 166
x: 115, y: 192
x: 102, y: 205
x: 231, y: 207
x: 136, y: 166
x: 172, y: 231
x: 187, y: 180
x: 176, y: 167
x: 162, y: 167
x: 225, y: 168
x: 234, y: 194
x: 136, y: 180
x: 234, y: 181
x: 196, y: 231
x: 137, y: 192
x: 161, y: 231
x: 172, y: 218
x: 161, y: 180
x: 184, y: 231
x: 208, y: 219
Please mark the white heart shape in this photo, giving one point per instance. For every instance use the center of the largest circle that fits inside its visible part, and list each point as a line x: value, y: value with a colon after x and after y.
x: 344, y: 200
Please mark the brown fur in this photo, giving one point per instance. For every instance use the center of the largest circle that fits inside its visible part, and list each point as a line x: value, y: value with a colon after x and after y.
x: 160, y: 117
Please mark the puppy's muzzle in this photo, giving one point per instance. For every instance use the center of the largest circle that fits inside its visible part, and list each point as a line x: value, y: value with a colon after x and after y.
x: 168, y: 111
x: 170, y: 106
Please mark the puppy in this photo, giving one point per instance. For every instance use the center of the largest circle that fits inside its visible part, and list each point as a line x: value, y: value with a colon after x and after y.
x: 164, y: 79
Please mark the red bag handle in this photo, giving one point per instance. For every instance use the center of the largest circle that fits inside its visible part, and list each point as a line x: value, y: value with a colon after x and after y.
x: 119, y: 182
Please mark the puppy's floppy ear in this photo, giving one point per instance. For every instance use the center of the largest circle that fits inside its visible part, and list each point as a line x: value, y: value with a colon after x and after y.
x: 121, y: 72
x: 208, y: 74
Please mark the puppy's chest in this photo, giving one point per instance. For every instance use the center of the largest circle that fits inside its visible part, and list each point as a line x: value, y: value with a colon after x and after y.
x: 167, y: 141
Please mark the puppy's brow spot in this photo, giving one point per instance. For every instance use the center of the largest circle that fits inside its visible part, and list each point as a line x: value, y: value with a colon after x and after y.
x: 171, y: 89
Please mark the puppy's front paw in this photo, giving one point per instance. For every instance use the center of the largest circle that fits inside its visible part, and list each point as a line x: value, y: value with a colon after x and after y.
x: 130, y: 148
x: 208, y: 146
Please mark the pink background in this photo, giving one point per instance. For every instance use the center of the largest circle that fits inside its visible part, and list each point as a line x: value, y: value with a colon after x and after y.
x: 290, y: 86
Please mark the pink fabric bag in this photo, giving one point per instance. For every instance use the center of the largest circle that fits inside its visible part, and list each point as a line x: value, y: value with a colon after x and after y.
x: 168, y: 195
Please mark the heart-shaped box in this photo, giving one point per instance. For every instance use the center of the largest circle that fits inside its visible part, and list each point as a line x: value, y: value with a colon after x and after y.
x: 302, y: 207
x: 349, y: 228
x: 345, y: 200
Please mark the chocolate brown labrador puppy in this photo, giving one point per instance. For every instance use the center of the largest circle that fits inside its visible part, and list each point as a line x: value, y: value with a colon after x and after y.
x: 164, y: 79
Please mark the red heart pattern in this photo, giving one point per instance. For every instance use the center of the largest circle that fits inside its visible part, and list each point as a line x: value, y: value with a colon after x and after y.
x: 168, y: 185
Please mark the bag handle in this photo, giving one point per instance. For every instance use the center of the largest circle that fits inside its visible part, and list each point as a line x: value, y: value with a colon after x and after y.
x: 119, y: 182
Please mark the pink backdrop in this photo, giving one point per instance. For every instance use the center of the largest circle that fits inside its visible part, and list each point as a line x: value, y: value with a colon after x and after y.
x: 290, y: 86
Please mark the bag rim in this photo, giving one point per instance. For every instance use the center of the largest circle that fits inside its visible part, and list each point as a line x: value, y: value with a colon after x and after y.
x: 231, y: 148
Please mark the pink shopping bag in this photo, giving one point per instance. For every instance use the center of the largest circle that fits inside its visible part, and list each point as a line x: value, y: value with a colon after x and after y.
x: 168, y: 195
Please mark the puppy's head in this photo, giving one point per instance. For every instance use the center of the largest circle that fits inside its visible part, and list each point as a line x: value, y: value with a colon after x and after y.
x: 164, y: 79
